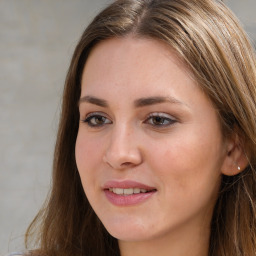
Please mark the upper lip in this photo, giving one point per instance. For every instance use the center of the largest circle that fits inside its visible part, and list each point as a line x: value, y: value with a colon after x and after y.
x: 126, y: 184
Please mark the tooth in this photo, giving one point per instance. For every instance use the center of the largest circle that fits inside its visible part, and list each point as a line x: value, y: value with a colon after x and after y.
x: 128, y: 191
x: 136, y: 190
x: 119, y: 191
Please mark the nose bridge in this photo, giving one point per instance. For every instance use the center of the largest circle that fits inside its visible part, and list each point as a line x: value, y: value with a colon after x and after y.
x: 123, y: 149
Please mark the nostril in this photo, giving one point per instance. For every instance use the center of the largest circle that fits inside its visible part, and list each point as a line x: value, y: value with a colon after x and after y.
x: 126, y: 163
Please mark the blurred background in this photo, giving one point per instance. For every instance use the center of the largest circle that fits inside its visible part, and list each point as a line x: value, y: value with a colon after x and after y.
x: 37, y: 39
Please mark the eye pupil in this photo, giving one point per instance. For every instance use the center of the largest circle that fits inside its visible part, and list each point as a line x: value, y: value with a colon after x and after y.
x: 158, y: 120
x: 100, y: 119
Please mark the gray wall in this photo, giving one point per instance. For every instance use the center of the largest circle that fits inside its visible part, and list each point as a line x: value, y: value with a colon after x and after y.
x: 37, y: 38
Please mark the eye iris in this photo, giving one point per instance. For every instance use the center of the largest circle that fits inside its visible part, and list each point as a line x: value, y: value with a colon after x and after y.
x: 99, y: 119
x: 157, y: 120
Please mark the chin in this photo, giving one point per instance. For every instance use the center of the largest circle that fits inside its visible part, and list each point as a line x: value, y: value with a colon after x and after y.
x: 128, y: 235
x: 129, y: 230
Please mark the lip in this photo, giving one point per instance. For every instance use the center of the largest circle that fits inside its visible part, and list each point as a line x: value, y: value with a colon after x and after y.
x: 126, y: 184
x: 127, y: 200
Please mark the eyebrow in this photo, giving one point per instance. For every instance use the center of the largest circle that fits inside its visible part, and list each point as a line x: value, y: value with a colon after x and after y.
x: 155, y: 100
x: 142, y: 102
x: 93, y: 100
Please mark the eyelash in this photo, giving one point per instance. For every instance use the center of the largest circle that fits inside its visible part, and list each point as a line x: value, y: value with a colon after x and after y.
x: 162, y: 119
x: 157, y: 120
x: 96, y: 116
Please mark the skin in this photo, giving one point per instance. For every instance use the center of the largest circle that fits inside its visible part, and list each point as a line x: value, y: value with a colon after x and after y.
x: 181, y: 154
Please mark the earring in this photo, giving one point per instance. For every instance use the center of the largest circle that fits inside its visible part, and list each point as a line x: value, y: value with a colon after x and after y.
x: 238, y: 168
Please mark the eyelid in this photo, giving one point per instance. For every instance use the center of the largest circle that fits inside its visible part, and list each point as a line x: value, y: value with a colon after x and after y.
x: 91, y: 114
x: 161, y: 114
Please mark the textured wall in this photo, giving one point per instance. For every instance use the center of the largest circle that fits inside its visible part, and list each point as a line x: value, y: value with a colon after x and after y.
x: 37, y: 38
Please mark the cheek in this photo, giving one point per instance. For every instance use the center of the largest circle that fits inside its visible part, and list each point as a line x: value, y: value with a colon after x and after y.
x: 189, y: 162
x: 88, y: 160
x: 190, y: 180
x: 81, y: 153
x: 87, y: 157
x: 86, y: 150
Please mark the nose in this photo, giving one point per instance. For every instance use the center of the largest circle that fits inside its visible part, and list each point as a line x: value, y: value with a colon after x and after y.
x: 123, y: 150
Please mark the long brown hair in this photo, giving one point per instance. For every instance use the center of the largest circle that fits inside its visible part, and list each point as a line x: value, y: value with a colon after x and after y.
x: 207, y: 36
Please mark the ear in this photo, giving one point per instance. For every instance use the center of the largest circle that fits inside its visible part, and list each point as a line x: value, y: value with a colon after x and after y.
x: 235, y: 160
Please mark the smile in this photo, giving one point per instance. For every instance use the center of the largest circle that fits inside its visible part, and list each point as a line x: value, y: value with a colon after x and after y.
x: 128, y: 191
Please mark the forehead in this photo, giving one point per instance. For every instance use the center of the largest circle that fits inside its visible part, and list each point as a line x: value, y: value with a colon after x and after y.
x: 136, y: 62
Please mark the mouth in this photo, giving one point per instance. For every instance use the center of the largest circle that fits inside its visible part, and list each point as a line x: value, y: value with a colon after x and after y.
x: 129, y: 191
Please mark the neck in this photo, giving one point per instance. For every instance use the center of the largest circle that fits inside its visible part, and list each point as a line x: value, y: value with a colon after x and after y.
x: 181, y: 243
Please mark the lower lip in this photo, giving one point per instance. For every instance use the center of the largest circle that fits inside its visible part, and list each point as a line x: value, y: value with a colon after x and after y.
x: 126, y: 200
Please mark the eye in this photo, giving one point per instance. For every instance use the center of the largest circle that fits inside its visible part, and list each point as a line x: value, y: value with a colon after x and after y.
x: 160, y: 120
x: 96, y: 120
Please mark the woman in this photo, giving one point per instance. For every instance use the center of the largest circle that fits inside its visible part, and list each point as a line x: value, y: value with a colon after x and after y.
x: 155, y: 153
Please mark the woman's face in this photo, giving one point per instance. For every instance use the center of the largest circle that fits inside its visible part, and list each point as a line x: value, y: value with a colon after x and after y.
x: 149, y: 148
